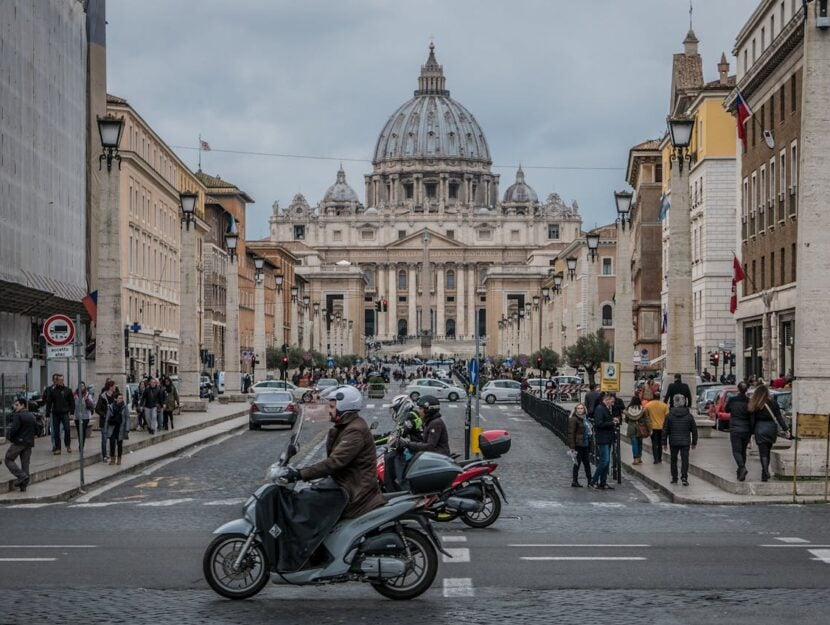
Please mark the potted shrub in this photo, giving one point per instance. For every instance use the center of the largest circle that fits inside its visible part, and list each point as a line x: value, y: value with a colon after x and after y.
x: 377, y: 388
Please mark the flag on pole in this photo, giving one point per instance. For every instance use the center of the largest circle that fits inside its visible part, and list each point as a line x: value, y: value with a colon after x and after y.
x: 664, y: 324
x: 665, y: 205
x: 743, y: 113
x: 737, y: 275
x: 90, y: 303
x: 204, y: 146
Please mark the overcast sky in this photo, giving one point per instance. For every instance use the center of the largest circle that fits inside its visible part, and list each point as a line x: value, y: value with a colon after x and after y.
x: 552, y: 83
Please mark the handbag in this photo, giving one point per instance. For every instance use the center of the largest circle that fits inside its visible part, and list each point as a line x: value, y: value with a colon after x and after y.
x: 642, y: 429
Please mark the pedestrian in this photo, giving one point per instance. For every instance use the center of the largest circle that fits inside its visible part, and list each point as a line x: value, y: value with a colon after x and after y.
x: 656, y: 410
x: 138, y: 405
x: 153, y: 404
x: 647, y: 394
x: 678, y: 387
x: 102, y: 406
x: 21, y: 435
x: 604, y: 430
x: 766, y: 419
x: 592, y: 399
x: 740, y: 428
x: 639, y: 427
x: 60, y: 403
x: 118, y: 428
x: 84, y: 404
x: 171, y: 401
x: 681, y: 434
x: 580, y: 431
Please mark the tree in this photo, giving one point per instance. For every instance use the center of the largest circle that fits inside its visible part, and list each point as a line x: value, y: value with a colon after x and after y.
x: 346, y: 360
x: 551, y: 361
x: 588, y: 352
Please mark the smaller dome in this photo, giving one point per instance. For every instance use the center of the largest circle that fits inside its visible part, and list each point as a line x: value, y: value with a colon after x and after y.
x: 371, y: 211
x: 483, y: 211
x: 340, y: 191
x: 520, y: 191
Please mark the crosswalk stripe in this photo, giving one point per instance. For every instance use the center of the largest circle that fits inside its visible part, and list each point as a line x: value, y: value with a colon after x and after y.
x: 165, y: 502
x: 607, y: 504
x: 456, y: 555
x: 822, y: 555
x: 97, y: 504
x: 576, y: 546
x: 225, y: 502
x: 458, y: 587
x: 370, y: 405
x: 791, y: 539
x: 580, y: 558
x: 454, y: 539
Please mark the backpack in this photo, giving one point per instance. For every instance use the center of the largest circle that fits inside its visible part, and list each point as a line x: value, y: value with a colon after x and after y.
x: 40, y: 424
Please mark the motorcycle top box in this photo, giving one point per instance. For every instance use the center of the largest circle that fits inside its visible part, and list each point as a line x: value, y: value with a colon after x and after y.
x: 494, y: 443
x: 431, y: 473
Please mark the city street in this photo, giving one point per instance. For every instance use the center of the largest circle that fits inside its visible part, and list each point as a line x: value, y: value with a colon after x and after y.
x: 133, y: 549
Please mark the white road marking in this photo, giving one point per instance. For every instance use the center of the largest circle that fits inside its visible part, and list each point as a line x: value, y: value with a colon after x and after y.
x: 27, y: 559
x: 666, y: 504
x: 520, y: 419
x: 791, y: 539
x: 607, y: 504
x: 370, y: 405
x: 799, y: 546
x: 454, y: 539
x: 458, y: 587
x: 457, y: 555
x: 386, y: 405
x: 580, y: 558
x: 576, y: 546
x: 822, y: 555
x: 482, y: 417
x: 48, y: 546
x: 98, y: 504
x: 308, y: 457
x: 164, y: 503
x: 27, y: 506
x: 650, y: 494
x: 502, y: 407
x: 544, y: 504
x: 225, y: 502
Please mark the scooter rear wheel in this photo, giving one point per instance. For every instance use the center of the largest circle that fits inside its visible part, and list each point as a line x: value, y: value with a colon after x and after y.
x: 488, y: 514
x: 420, y: 572
x: 217, y: 566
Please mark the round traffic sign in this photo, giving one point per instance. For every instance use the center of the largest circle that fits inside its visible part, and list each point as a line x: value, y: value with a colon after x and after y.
x: 59, y: 330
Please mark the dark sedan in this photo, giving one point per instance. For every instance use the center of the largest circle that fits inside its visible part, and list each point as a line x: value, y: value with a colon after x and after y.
x: 270, y: 407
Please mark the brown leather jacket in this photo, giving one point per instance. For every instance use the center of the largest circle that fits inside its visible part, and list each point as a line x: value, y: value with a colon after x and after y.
x: 351, y: 461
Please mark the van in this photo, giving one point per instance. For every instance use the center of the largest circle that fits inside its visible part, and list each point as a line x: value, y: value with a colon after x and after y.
x: 220, y: 382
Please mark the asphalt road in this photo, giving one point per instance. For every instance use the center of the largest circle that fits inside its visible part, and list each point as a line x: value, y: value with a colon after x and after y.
x: 559, y: 554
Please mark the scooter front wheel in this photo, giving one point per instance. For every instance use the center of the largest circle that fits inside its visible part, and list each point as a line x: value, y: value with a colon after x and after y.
x: 217, y: 566
x: 420, y: 571
x: 489, y: 513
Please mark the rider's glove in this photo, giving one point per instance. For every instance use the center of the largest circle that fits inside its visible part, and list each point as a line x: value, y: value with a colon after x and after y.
x: 291, y: 474
x: 403, y: 442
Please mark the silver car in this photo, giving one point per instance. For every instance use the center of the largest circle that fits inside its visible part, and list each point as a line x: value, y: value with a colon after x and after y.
x: 436, y: 388
x: 326, y: 386
x: 272, y: 408
x: 299, y: 393
x: 501, y: 390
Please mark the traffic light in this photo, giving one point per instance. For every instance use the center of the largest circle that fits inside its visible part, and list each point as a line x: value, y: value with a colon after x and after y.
x: 385, y: 305
x: 379, y: 306
x: 151, y: 359
x: 285, y: 362
x: 126, y: 342
x: 538, y: 362
x: 714, y: 359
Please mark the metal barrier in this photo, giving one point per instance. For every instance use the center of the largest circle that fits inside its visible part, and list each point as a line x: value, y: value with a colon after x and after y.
x: 550, y: 415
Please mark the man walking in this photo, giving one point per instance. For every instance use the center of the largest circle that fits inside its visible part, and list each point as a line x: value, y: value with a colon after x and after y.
x: 678, y: 387
x: 656, y: 411
x: 21, y: 435
x: 604, y: 428
x: 60, y: 403
x: 681, y: 432
x: 153, y: 400
x: 592, y: 400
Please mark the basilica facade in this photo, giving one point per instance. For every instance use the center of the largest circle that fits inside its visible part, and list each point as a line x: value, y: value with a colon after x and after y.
x: 435, y: 250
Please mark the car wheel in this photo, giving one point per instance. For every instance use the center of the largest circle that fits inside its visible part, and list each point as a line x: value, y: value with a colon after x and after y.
x: 414, y: 395
x: 254, y: 426
x: 490, y: 399
x: 452, y: 397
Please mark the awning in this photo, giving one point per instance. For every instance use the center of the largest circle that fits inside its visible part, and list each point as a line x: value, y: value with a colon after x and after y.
x: 657, y: 360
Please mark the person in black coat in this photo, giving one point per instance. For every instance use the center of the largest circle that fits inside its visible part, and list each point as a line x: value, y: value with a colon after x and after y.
x: 740, y: 428
x: 680, y: 433
x: 592, y: 400
x: 604, y: 429
x: 60, y: 403
x: 678, y: 387
x: 21, y: 435
x: 765, y: 415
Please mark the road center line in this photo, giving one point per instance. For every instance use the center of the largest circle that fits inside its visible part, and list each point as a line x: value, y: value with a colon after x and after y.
x: 800, y: 546
x: 48, y: 546
x: 165, y: 502
x: 458, y: 587
x: 575, y: 546
x: 456, y: 555
x: 27, y: 559
x: 791, y: 539
x: 579, y: 558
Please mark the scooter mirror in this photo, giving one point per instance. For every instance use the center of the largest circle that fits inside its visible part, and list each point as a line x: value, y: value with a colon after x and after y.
x: 374, y: 425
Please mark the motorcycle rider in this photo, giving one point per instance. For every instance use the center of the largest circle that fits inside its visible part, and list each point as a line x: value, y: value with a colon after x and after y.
x: 350, y: 450
x: 435, y: 436
x: 409, y: 427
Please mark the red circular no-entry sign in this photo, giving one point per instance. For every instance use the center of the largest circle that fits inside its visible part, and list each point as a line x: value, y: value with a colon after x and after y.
x: 59, y: 330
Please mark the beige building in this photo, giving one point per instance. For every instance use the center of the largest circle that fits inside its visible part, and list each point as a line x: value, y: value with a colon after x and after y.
x: 435, y: 243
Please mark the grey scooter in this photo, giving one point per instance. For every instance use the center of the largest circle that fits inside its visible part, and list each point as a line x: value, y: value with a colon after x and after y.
x: 393, y: 548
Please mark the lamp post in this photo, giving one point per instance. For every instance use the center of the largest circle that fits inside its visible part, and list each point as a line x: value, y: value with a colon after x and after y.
x: 293, y: 326
x: 680, y: 348
x: 190, y: 369
x: 557, y: 282
x: 259, y: 313
x: 592, y: 239
x: 233, y: 376
x: 316, y: 339
x: 307, y: 322
x: 623, y: 313
x: 109, y: 359
x: 570, y: 261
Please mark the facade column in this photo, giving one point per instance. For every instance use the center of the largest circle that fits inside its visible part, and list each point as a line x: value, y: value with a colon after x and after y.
x: 440, y: 325
x: 279, y: 324
x: 412, y: 300
x: 293, y: 323
x: 472, y: 296
x: 259, y: 321
x: 392, y: 315
x: 623, y: 314
x: 460, y: 320
x: 109, y: 334
x: 233, y: 376
x: 190, y: 369
x: 381, y: 327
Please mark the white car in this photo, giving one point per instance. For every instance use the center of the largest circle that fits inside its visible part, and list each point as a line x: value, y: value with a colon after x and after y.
x: 501, y: 390
x: 326, y: 386
x: 436, y: 388
x: 299, y: 393
x: 443, y: 375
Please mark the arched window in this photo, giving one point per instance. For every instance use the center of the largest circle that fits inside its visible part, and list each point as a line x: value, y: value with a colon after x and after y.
x: 402, y: 279
x: 607, y: 316
x: 370, y: 278
x: 450, y: 330
x: 451, y: 280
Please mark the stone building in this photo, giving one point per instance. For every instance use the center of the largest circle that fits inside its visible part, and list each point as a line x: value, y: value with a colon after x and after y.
x: 769, y: 49
x: 434, y: 242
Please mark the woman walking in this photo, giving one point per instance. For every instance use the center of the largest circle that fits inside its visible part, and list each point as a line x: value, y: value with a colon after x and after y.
x: 118, y: 428
x: 579, y: 441
x: 639, y: 427
x: 171, y: 401
x: 766, y: 417
x: 105, y: 399
x: 138, y: 405
x: 84, y: 405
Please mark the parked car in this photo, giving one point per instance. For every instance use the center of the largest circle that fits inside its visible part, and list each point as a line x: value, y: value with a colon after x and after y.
x: 705, y: 396
x: 297, y: 392
x: 206, y: 390
x: 326, y: 386
x: 272, y: 407
x: 501, y: 390
x: 444, y: 375
x: 717, y: 410
x: 436, y: 388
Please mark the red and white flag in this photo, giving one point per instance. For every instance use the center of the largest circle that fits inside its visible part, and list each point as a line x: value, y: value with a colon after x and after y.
x: 743, y: 113
x: 204, y: 146
x: 737, y: 275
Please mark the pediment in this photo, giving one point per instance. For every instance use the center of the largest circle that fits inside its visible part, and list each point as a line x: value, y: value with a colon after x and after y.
x: 415, y: 241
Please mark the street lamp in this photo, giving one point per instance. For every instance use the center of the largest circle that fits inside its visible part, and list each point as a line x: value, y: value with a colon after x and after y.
x: 279, y: 279
x: 570, y: 261
x: 623, y: 200
x: 557, y: 281
x: 546, y: 294
x: 110, y: 129
x: 306, y: 300
x: 316, y: 308
x: 680, y: 130
x: 188, y: 200
x: 259, y: 263
x: 231, y: 239
x: 593, y: 243
x: 294, y: 292
x: 536, y: 301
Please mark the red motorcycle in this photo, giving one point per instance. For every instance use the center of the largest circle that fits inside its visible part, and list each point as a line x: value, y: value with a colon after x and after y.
x: 476, y: 494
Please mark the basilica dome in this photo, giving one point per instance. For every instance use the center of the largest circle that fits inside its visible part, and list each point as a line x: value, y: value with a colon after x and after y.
x: 520, y: 192
x: 431, y: 125
x: 340, y: 192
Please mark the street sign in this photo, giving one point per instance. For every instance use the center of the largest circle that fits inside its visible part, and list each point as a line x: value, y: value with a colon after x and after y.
x: 636, y: 359
x: 472, y: 370
x: 727, y: 345
x: 509, y: 362
x: 59, y: 330
x: 59, y: 351
x: 645, y: 361
x: 358, y: 361
x: 330, y: 363
x: 609, y: 380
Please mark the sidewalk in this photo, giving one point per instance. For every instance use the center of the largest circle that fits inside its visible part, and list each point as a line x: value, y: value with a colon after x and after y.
x: 56, y: 478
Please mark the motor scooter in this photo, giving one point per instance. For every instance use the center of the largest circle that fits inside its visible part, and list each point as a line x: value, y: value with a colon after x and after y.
x: 293, y: 534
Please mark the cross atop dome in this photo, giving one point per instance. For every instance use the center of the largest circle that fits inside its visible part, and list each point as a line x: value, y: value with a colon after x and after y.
x: 431, y: 81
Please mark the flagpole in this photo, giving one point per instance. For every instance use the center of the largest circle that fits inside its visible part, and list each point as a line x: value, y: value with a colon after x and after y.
x: 200, y: 151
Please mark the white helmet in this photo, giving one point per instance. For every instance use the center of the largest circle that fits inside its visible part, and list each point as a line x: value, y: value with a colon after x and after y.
x: 348, y: 399
x: 397, y: 401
